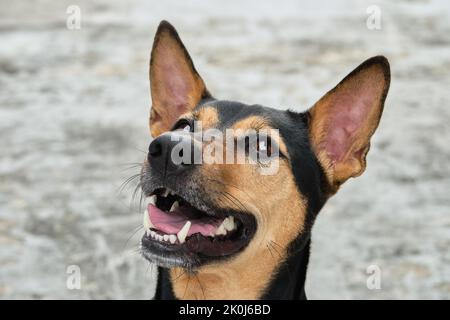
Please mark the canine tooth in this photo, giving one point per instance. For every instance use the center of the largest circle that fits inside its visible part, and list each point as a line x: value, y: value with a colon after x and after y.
x: 172, y: 193
x: 165, y: 193
x: 172, y: 238
x: 153, y: 234
x: 228, y: 223
x: 166, y: 237
x: 175, y: 205
x: 150, y: 200
x: 221, y: 230
x: 159, y: 237
x: 183, y: 232
x: 146, y: 221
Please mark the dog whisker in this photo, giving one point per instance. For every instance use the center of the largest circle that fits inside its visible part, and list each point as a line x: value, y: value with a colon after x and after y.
x: 134, y: 231
x: 127, y: 181
x: 201, y: 286
x: 187, y: 285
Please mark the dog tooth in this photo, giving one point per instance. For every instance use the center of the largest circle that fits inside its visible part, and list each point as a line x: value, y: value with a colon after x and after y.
x: 165, y: 193
x: 146, y: 221
x: 166, y: 237
x: 159, y: 237
x: 172, y: 238
x: 221, y: 230
x: 153, y: 234
x: 225, y: 224
x: 175, y: 205
x: 183, y: 232
x: 228, y: 223
x: 172, y: 193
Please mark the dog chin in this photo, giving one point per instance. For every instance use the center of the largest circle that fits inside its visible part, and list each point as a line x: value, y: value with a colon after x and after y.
x: 166, y: 261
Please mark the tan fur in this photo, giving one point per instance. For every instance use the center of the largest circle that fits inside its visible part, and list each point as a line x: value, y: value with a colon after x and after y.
x: 280, y: 215
x: 208, y: 117
x: 274, y: 200
x: 350, y: 165
x: 257, y: 123
x: 165, y: 109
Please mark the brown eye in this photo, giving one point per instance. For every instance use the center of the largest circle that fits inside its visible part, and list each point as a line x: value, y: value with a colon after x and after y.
x: 265, y: 145
x: 183, y: 124
x: 187, y: 128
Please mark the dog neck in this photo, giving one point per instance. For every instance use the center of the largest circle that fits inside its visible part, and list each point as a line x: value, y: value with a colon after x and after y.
x: 289, y: 282
x: 286, y: 281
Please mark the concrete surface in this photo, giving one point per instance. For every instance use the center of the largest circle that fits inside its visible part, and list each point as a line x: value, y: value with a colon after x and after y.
x: 73, y: 121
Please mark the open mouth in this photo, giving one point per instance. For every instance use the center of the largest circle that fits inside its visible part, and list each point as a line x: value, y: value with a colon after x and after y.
x: 179, y: 234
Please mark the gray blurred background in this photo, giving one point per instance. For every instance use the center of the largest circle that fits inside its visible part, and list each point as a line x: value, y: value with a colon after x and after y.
x: 73, y: 121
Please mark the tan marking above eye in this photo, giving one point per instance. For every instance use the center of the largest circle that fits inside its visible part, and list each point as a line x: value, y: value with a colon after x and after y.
x: 259, y: 123
x: 208, y: 116
x: 187, y: 116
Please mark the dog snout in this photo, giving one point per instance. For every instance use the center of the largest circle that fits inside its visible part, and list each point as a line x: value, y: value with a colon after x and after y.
x: 171, y: 153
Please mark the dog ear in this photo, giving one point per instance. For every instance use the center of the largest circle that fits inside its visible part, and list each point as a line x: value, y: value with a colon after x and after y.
x: 175, y: 85
x: 342, y: 122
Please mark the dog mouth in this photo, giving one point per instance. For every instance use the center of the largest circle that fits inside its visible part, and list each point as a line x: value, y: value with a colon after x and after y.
x: 178, y: 233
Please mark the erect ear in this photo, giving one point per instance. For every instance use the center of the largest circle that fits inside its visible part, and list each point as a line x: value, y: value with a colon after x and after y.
x: 175, y: 85
x: 342, y: 122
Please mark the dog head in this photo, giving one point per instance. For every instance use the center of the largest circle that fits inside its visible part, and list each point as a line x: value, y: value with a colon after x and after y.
x: 203, y: 213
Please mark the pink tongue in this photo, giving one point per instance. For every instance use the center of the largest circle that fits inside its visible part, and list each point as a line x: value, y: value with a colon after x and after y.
x: 172, y: 222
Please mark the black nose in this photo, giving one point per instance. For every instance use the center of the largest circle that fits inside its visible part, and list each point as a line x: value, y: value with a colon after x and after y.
x: 167, y: 153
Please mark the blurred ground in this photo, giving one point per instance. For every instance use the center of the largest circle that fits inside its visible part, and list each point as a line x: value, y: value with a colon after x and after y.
x: 73, y: 119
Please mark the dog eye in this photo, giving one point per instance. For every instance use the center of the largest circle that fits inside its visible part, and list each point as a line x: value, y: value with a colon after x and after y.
x: 265, y: 145
x: 183, y: 124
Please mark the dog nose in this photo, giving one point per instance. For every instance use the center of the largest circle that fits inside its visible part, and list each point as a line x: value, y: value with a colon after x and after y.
x: 166, y: 153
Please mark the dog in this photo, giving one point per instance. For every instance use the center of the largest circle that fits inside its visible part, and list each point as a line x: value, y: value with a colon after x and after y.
x: 225, y: 230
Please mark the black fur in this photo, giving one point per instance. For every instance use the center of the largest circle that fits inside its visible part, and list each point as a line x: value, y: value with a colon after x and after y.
x: 291, y: 275
x: 289, y: 280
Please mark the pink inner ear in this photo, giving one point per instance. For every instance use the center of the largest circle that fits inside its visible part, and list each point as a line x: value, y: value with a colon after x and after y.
x: 176, y: 81
x: 348, y: 117
x: 177, y: 88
